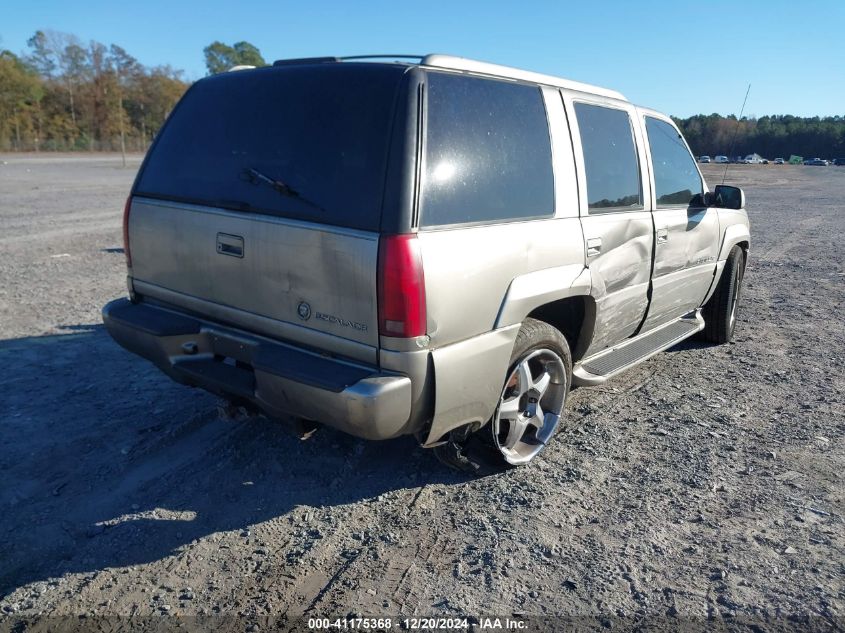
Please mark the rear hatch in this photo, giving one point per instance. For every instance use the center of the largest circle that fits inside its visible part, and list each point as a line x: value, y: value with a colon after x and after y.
x: 260, y: 203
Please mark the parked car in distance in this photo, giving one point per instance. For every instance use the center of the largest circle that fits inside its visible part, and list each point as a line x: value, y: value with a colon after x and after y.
x: 703, y: 159
x: 778, y: 161
x: 348, y: 242
x: 839, y: 161
x: 818, y: 162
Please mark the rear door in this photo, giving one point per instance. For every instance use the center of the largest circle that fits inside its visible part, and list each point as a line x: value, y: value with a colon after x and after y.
x: 617, y: 227
x: 260, y: 203
x: 285, y: 279
x: 686, y: 235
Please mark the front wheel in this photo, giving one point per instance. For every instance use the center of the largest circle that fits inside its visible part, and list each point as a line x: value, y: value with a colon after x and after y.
x: 721, y: 310
x: 533, y: 396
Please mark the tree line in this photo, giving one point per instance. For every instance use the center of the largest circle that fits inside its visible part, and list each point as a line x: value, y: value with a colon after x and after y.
x: 769, y: 136
x: 64, y: 95
x: 61, y: 94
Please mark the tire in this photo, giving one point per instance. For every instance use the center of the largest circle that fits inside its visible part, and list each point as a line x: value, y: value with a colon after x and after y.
x: 721, y: 310
x: 533, y: 396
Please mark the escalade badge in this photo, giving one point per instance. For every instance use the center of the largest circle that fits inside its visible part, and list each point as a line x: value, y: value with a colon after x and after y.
x: 304, y: 311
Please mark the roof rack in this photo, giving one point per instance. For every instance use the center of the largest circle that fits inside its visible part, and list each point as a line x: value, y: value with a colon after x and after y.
x: 354, y: 57
x: 305, y: 60
x: 347, y: 58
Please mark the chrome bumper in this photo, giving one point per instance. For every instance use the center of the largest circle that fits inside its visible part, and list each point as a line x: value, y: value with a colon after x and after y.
x: 278, y: 378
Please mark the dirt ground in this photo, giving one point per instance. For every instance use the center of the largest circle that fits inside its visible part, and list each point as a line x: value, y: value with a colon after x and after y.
x: 704, y: 485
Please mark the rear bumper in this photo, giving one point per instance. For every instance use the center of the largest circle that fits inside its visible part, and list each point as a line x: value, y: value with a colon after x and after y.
x: 278, y: 378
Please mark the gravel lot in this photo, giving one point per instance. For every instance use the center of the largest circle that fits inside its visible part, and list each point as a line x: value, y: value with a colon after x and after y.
x: 706, y: 483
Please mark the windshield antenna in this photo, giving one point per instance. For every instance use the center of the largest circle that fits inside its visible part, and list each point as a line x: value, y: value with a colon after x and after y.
x: 736, y: 131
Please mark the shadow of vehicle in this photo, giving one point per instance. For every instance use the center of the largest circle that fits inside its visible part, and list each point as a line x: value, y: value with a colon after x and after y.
x: 107, y: 463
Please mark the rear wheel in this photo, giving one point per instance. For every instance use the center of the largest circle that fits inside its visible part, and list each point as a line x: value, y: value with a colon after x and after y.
x: 720, y: 311
x: 533, y: 396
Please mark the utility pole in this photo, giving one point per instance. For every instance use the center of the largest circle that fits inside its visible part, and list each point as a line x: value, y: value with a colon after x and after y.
x: 120, y: 114
x: 143, y: 129
x: 17, y: 131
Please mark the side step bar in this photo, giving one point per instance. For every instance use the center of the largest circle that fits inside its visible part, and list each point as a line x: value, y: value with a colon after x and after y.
x: 598, y: 368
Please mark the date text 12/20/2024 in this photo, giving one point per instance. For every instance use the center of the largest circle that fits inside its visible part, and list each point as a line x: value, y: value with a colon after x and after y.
x: 411, y: 624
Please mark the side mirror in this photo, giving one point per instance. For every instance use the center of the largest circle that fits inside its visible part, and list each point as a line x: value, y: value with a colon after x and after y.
x: 728, y: 197
x: 700, y: 200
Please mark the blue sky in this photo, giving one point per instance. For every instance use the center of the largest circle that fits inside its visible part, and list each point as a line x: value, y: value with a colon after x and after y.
x: 679, y: 57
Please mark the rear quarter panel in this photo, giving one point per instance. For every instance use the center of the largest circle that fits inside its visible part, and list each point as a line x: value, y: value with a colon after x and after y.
x: 468, y: 271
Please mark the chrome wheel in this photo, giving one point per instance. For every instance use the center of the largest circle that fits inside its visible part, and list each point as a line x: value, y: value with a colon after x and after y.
x: 721, y: 310
x: 530, y: 406
x: 735, y: 296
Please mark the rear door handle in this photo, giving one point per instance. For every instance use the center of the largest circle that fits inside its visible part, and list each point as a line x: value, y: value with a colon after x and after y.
x: 232, y: 245
x: 662, y: 236
x: 593, y: 246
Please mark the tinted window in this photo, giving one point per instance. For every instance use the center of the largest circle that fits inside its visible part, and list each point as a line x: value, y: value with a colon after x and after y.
x: 488, y: 154
x: 305, y: 142
x: 610, y: 158
x: 676, y: 179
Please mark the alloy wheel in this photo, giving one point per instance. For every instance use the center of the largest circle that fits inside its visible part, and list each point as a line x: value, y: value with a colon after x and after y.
x: 530, y: 406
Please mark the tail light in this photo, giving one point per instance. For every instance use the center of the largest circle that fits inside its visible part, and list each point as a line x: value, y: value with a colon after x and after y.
x: 126, y: 232
x: 401, y: 287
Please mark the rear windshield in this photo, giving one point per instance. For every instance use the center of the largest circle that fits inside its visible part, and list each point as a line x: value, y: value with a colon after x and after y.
x: 304, y: 142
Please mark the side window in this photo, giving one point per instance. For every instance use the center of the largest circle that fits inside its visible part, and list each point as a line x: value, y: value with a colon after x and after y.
x: 676, y: 180
x: 488, y: 154
x: 610, y: 158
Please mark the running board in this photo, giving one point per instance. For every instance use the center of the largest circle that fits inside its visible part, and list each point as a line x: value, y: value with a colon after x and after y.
x: 599, y: 367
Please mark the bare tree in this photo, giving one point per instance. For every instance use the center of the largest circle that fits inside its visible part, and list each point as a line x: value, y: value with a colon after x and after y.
x: 62, y: 52
x: 125, y: 66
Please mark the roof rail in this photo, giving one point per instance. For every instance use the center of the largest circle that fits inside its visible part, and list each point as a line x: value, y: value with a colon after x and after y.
x: 485, y: 68
x: 354, y: 57
x: 240, y: 67
x: 347, y: 58
x: 305, y: 60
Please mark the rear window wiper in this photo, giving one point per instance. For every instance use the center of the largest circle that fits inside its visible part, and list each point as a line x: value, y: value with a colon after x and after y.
x: 254, y: 176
